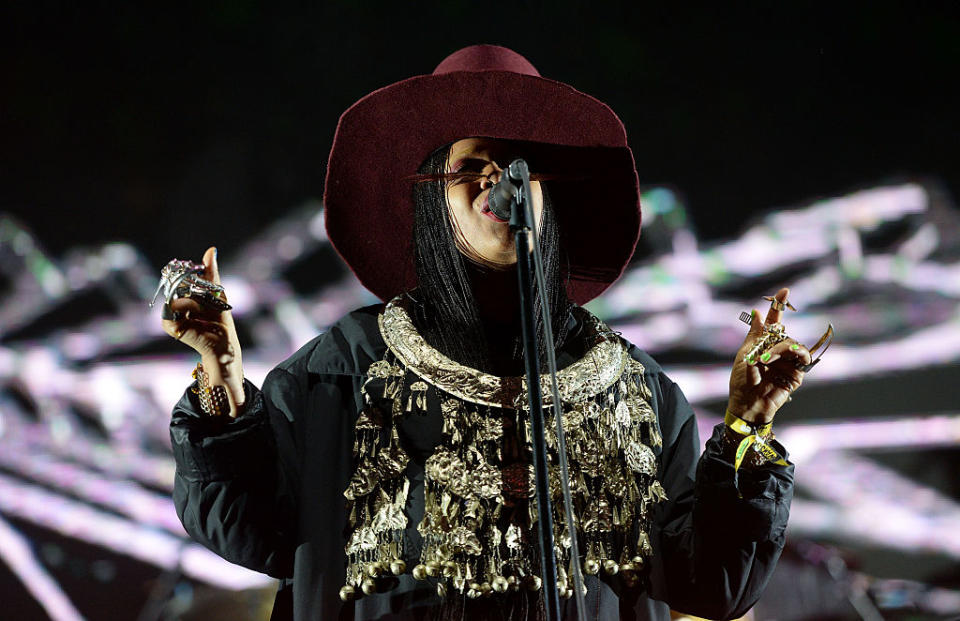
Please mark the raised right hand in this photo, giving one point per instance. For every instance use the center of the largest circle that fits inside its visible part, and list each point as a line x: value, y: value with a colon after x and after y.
x: 213, y: 335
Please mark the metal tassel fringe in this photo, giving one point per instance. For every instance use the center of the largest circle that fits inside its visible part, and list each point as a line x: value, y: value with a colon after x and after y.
x: 480, y: 514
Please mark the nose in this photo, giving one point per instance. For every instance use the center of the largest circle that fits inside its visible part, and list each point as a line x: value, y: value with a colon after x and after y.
x: 491, y: 175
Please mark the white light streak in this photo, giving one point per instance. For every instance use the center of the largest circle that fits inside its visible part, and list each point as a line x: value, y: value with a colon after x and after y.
x: 80, y: 521
x: 16, y: 552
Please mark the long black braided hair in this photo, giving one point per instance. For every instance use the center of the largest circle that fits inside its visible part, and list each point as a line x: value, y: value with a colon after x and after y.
x: 445, y: 313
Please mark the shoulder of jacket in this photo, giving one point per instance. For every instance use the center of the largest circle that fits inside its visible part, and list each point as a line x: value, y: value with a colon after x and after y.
x: 650, y: 366
x: 579, y: 313
x: 346, y: 348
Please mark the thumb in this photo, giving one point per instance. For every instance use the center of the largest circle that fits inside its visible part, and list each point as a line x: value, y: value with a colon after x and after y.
x: 212, y: 271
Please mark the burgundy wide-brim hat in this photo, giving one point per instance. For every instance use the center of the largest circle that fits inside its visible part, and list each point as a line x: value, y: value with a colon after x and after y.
x: 481, y: 91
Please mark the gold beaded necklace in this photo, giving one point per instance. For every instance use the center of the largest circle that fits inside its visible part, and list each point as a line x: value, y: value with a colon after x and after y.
x: 480, y: 511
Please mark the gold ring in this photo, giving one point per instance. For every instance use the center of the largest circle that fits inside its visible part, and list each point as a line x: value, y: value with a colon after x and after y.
x: 776, y: 304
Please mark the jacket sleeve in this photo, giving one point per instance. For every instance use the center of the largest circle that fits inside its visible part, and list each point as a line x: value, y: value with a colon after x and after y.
x: 233, y: 492
x: 719, y: 535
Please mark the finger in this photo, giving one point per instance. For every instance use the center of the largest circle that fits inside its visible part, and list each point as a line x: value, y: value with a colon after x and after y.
x: 174, y: 328
x: 753, y: 375
x: 212, y: 271
x: 788, y: 350
x: 189, y: 308
x: 753, y: 333
x: 203, y: 328
x: 186, y: 306
x: 756, y: 325
x: 195, y: 332
x: 787, y: 379
x: 774, y: 315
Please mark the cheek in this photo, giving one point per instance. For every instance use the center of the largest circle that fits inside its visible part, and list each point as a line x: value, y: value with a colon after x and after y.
x: 460, y: 209
x: 458, y: 201
x: 537, y: 202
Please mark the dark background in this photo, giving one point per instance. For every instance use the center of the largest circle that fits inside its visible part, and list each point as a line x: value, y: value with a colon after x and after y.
x: 178, y: 127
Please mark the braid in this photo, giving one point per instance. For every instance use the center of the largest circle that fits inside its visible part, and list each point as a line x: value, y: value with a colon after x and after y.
x: 446, y: 313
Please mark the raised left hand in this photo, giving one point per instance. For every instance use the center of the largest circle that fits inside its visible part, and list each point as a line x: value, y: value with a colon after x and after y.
x: 759, y: 387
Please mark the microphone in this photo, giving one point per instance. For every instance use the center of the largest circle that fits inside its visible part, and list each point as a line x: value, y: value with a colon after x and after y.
x: 503, y: 192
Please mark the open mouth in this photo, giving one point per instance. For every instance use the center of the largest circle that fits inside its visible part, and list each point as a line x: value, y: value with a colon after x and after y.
x: 485, y: 210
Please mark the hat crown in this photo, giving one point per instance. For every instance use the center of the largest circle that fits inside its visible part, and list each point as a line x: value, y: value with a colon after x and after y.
x: 486, y: 58
x: 489, y: 91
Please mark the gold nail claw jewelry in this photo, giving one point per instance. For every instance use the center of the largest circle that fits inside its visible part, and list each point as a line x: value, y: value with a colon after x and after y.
x: 775, y: 333
x: 825, y: 342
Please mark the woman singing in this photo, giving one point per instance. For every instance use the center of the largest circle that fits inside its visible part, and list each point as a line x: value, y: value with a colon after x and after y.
x: 384, y: 470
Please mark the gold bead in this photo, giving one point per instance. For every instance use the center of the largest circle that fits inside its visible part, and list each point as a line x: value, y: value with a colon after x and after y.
x: 627, y: 568
x: 369, y: 586
x: 475, y: 586
x: 449, y: 569
x: 610, y: 566
x: 397, y: 567
x: 486, y: 589
x: 500, y: 584
x: 420, y: 572
x: 372, y: 570
x: 433, y: 569
x: 348, y: 593
x: 473, y: 594
x: 638, y: 561
x: 533, y: 583
x: 591, y: 566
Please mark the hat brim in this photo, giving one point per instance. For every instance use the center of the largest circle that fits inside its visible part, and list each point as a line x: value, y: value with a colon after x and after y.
x: 382, y: 140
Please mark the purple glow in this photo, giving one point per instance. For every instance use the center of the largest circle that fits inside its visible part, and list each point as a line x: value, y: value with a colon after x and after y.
x: 872, y: 504
x: 75, y: 519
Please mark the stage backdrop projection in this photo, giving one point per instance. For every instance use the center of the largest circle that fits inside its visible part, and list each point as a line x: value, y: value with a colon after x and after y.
x: 88, y: 379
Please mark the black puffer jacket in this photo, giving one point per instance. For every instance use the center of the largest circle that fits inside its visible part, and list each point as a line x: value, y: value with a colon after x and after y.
x: 266, y: 491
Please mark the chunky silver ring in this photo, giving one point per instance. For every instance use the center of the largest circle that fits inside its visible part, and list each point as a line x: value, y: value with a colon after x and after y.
x: 182, y: 279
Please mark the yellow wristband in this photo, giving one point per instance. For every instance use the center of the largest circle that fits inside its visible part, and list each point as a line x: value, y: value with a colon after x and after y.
x: 770, y: 453
x: 744, y: 428
x: 753, y: 436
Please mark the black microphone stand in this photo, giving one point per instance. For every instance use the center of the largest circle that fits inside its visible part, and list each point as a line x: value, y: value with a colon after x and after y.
x: 522, y: 224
